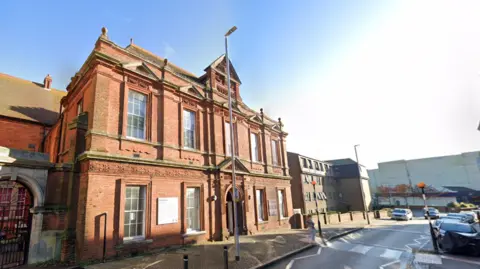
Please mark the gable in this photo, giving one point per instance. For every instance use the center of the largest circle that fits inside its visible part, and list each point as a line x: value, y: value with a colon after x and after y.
x: 140, y: 68
x: 226, y: 165
x: 192, y: 90
x: 220, y: 65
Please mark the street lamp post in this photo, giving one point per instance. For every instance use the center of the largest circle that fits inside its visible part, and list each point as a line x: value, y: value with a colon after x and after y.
x: 421, y: 185
x: 232, y: 147
x: 316, y: 206
x: 361, y: 184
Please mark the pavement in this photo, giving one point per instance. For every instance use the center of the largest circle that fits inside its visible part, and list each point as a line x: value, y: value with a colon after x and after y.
x: 255, y: 251
x: 383, y: 245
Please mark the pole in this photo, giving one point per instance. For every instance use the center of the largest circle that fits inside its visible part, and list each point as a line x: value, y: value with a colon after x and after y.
x: 365, y: 208
x: 232, y: 149
x: 318, y: 217
x: 105, y: 237
x: 432, y: 234
x: 225, y: 257
x: 185, y: 261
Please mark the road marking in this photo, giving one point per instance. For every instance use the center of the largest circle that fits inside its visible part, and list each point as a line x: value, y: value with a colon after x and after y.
x: 394, y: 230
x: 427, y: 258
x: 361, y: 249
x: 290, y: 264
x: 387, y: 264
x: 391, y: 254
x: 319, y: 251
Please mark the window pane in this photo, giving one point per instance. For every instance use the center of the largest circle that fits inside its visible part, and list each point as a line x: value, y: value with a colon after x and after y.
x: 260, y: 205
x: 134, y: 212
x: 136, y: 114
x: 193, y: 209
x: 228, y: 144
x: 254, y: 141
x: 189, y: 128
x: 274, y: 153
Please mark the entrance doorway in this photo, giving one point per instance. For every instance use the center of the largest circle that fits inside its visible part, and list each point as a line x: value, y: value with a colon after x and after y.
x: 230, y: 217
x: 15, y: 223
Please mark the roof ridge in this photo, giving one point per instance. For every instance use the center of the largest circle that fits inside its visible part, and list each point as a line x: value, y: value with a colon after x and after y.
x: 161, y: 59
x: 27, y: 81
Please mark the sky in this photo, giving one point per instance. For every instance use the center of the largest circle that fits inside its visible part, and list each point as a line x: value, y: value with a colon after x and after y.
x: 400, y: 78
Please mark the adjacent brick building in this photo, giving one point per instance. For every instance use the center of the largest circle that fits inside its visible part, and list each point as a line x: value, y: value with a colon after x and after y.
x: 337, y: 185
x: 144, y: 145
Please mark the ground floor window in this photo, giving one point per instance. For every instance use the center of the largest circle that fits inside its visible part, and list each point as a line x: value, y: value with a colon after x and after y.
x: 282, y: 205
x: 134, y: 220
x: 260, y: 200
x: 193, y: 209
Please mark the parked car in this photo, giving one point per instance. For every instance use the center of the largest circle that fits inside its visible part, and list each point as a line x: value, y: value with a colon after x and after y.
x: 433, y: 212
x: 471, y: 216
x: 464, y: 217
x: 402, y: 214
x: 458, y: 237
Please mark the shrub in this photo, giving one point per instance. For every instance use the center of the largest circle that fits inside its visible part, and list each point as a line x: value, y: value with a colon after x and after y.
x: 453, y: 205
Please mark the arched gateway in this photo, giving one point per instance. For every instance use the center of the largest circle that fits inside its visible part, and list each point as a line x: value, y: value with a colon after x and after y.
x: 15, y: 223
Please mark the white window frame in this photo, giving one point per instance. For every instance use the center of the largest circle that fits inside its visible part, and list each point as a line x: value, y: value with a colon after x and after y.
x: 260, y: 204
x: 142, y: 195
x: 254, y: 144
x: 131, y: 113
x: 196, y: 206
x: 189, y: 125
x: 282, y: 204
x: 274, y: 152
x: 80, y: 107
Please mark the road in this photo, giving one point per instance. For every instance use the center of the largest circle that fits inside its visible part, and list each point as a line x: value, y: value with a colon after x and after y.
x: 384, y: 245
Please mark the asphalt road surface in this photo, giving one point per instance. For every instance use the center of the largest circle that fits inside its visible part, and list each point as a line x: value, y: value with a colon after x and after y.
x: 386, y: 245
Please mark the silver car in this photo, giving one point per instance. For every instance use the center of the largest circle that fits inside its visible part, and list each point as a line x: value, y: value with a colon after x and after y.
x: 402, y: 214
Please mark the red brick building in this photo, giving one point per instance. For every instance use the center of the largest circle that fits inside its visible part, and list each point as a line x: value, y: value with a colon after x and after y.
x: 144, y: 145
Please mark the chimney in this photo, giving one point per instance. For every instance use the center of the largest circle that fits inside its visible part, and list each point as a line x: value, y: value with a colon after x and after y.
x: 47, y: 82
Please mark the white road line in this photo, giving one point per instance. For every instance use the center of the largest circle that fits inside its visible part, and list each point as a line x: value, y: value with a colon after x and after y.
x: 290, y: 264
x: 319, y: 251
x: 361, y: 249
x: 387, y: 264
x: 391, y: 254
x: 394, y: 230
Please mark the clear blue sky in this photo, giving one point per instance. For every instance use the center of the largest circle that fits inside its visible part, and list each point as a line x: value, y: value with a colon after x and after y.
x: 303, y: 62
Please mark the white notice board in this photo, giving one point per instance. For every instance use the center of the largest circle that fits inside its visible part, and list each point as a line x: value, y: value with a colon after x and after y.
x: 167, y: 210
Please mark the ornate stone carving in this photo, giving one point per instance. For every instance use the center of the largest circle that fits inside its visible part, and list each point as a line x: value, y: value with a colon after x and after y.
x: 189, y: 102
x: 137, y: 82
x: 138, y: 169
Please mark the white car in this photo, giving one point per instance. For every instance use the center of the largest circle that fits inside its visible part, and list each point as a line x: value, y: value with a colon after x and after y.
x: 402, y: 214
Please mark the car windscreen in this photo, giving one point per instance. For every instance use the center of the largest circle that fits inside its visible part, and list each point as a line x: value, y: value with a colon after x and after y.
x: 399, y: 211
x: 456, y: 227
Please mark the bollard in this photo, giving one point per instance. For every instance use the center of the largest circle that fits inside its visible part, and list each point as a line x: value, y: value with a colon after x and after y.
x: 185, y: 261
x: 225, y: 256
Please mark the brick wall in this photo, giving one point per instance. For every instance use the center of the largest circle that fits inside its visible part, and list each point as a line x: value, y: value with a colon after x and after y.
x: 22, y: 135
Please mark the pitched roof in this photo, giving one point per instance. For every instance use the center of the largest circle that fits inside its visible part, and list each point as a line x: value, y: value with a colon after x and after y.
x: 27, y: 100
x: 159, y: 61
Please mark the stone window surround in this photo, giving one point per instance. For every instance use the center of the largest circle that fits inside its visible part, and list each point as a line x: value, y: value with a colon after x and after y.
x: 265, y: 207
x: 144, y: 182
x: 285, y: 203
x: 259, y: 145
x: 183, y: 206
x: 148, y: 118
x: 197, y: 140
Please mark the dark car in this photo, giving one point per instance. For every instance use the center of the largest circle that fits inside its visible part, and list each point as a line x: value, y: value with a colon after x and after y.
x: 458, y: 237
x: 433, y: 212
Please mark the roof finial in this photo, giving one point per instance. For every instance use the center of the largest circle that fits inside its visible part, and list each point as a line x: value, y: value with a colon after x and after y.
x: 131, y: 41
x: 261, y: 113
x: 105, y: 32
